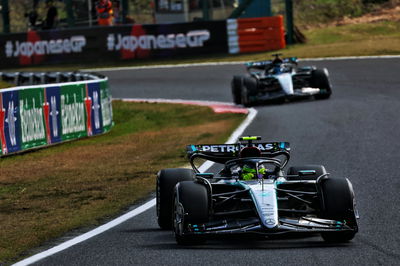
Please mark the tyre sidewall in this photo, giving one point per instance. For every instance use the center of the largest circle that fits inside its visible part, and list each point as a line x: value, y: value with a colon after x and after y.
x: 337, y: 199
x: 192, y: 202
x: 166, y: 182
x: 320, y: 79
x: 338, y: 203
x: 251, y: 83
x: 236, y: 85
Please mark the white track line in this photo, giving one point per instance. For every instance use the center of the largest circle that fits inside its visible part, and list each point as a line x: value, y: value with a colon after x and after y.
x: 237, y: 63
x: 233, y: 138
x: 87, y: 235
x: 162, y: 100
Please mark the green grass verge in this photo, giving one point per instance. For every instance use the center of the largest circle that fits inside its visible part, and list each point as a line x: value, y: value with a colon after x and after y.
x: 381, y: 38
x: 48, y: 192
x: 4, y: 85
x: 354, y: 32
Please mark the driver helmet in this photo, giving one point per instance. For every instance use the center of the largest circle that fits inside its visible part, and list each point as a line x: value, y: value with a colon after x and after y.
x: 277, y: 59
x: 276, y: 69
x: 276, y: 64
x: 250, y: 172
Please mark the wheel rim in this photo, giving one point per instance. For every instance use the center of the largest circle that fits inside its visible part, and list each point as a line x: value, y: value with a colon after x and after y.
x: 178, y: 217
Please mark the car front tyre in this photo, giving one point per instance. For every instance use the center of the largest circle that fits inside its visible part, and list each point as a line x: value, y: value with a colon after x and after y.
x: 338, y: 203
x: 320, y: 79
x: 166, y: 181
x: 191, y: 207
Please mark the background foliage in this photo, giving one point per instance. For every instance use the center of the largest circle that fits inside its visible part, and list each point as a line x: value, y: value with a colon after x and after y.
x: 307, y: 12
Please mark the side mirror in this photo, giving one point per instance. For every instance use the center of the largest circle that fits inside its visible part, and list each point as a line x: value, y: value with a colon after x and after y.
x: 205, y: 175
x: 306, y: 172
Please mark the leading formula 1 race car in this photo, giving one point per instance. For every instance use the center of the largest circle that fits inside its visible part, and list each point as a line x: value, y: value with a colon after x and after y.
x: 252, y: 194
x: 279, y: 80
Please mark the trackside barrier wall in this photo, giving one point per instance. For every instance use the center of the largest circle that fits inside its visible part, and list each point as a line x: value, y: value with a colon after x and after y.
x: 41, y: 115
x: 126, y: 42
x: 255, y: 34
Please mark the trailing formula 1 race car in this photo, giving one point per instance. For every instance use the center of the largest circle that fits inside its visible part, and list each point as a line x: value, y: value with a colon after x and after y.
x: 252, y: 194
x: 279, y: 80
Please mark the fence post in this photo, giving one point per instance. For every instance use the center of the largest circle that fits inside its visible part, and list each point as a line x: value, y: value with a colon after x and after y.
x: 252, y: 9
x: 70, y: 13
x: 206, y: 11
x: 125, y: 10
x: 268, y: 11
x: 289, y: 21
x: 6, y: 16
x: 90, y: 5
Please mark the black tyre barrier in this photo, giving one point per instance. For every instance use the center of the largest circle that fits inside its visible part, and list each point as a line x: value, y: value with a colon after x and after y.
x: 36, y: 78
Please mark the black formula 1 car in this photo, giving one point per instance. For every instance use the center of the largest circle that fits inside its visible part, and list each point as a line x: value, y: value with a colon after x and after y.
x: 252, y: 194
x: 279, y: 80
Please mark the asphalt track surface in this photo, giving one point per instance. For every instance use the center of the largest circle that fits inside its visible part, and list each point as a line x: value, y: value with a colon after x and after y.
x: 355, y: 134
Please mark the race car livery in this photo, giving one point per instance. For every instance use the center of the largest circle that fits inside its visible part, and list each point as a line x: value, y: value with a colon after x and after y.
x: 252, y: 194
x: 279, y: 80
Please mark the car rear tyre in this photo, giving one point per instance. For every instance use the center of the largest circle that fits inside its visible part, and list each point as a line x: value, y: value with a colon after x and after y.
x: 338, y: 203
x: 236, y: 85
x: 245, y: 97
x: 166, y: 182
x: 294, y: 170
x: 191, y: 205
x: 251, y: 84
x: 249, y: 90
x: 320, y: 79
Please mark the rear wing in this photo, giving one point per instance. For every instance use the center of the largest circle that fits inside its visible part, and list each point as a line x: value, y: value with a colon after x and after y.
x: 222, y: 153
x: 258, y: 64
x: 262, y: 64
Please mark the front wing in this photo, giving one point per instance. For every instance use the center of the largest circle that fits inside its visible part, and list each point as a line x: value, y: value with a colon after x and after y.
x: 281, y: 94
x: 254, y: 226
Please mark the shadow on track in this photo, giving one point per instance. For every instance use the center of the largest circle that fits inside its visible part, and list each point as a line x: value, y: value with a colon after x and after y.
x: 164, y: 240
x: 250, y: 245
x: 286, y: 102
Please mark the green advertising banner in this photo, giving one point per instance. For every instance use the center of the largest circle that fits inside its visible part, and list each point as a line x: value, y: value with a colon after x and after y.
x: 73, y: 116
x: 33, y: 128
